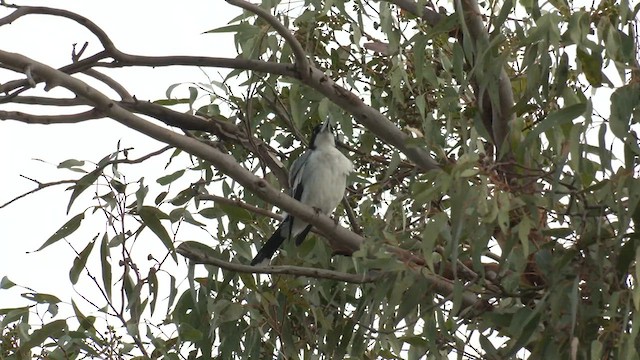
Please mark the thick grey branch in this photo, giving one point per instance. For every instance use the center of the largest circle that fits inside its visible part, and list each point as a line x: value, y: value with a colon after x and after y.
x: 50, y: 119
x: 42, y: 100
x: 498, y: 112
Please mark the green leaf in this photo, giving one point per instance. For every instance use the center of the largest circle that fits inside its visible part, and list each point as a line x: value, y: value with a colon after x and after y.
x: 558, y: 118
x: 153, y: 288
x: 105, y: 265
x: 118, y: 186
x: 168, y: 179
x: 559, y: 233
x: 189, y: 333
x: 173, y: 290
x: 623, y: 102
x: 86, y: 322
x: 243, y: 27
x: 505, y: 10
x: 5, y: 283
x: 235, y: 213
x: 141, y: 193
x: 151, y: 218
x: 591, y: 66
x: 170, y: 102
x: 82, y: 185
x: 67, y: 229
x: 211, y: 212
x: 52, y: 330
x: 68, y: 164
x: 41, y: 298
x: 170, y: 90
x: 183, y: 197
x: 80, y: 262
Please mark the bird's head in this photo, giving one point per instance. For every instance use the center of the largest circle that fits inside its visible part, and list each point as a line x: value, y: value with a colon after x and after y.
x: 322, y: 135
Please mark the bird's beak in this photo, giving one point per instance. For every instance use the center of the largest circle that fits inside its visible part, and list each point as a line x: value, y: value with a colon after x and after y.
x: 327, y: 125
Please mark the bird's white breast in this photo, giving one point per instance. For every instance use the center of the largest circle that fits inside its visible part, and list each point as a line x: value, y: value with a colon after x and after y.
x: 325, y: 185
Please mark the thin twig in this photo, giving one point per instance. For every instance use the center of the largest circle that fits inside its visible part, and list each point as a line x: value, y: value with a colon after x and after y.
x: 41, y: 186
x: 116, y: 86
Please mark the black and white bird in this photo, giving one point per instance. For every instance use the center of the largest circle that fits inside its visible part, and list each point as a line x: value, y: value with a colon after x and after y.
x: 318, y: 179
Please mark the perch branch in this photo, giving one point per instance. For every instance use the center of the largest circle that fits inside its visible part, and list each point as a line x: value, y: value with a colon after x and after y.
x: 193, y: 252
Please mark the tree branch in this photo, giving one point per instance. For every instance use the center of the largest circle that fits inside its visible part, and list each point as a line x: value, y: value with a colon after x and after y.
x: 366, y: 115
x: 41, y: 186
x: 116, y: 86
x: 50, y: 119
x: 202, y: 254
x: 496, y: 112
x: 224, y: 130
x: 42, y: 100
x: 196, y: 252
x: 371, y: 118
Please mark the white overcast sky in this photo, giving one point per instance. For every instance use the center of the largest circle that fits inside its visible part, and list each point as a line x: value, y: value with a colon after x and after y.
x: 141, y: 27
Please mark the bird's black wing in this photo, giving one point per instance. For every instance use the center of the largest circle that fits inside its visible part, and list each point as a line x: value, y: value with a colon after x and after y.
x: 302, y: 235
x: 285, y: 229
x: 274, y: 242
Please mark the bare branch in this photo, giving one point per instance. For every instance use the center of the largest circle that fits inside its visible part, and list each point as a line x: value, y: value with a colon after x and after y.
x: 225, y: 130
x: 42, y: 100
x: 300, y: 56
x: 194, y: 252
x: 90, y: 25
x: 202, y: 254
x: 116, y: 86
x: 42, y: 185
x: 50, y: 119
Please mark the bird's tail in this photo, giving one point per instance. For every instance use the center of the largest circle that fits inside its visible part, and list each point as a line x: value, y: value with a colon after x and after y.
x: 274, y: 242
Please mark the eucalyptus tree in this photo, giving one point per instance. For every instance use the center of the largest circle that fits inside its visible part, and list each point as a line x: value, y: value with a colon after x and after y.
x: 492, y: 212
